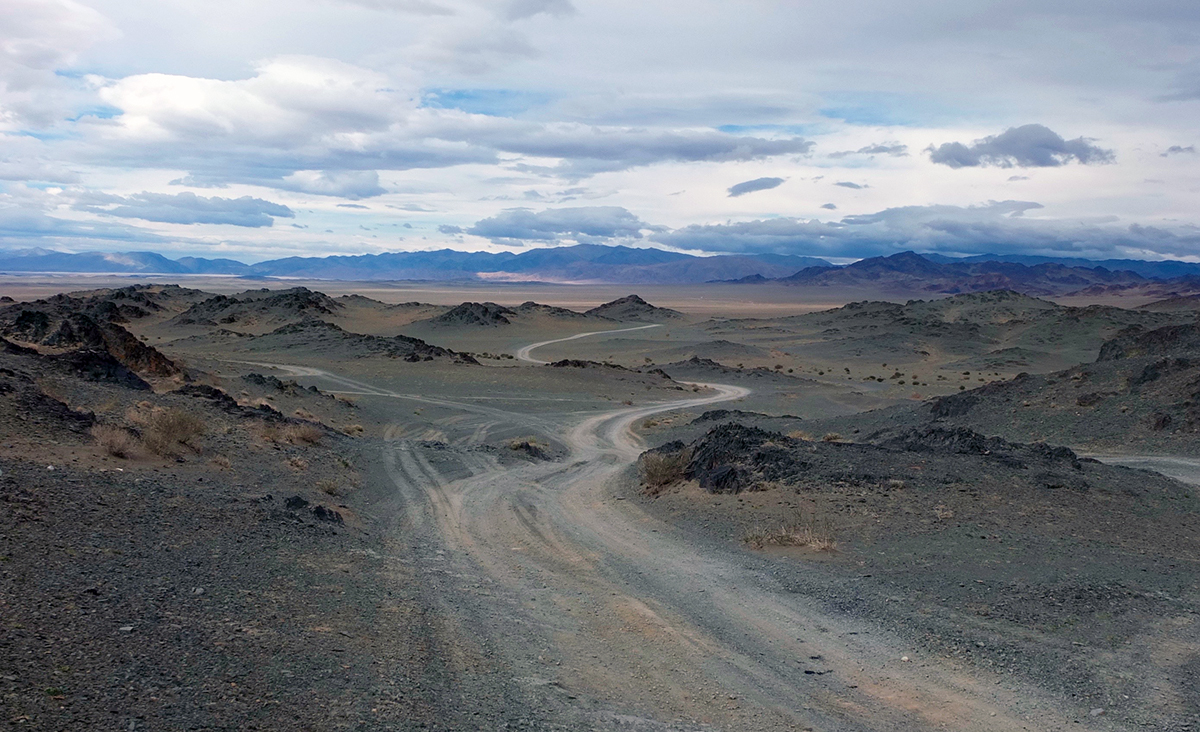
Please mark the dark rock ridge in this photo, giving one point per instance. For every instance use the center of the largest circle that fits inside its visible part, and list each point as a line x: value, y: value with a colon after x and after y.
x: 733, y: 457
x: 319, y: 336
x: 575, y: 363
x: 252, y: 307
x: 475, y: 314
x: 65, y: 322
x: 632, y: 308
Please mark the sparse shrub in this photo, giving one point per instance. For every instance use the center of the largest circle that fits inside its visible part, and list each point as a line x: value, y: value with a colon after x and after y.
x: 265, y: 431
x: 115, y: 441
x: 896, y: 484
x: 305, y: 414
x: 943, y: 513
x: 804, y: 531
x: 354, y: 429
x: 661, y: 469
x: 329, y: 487
x: 169, y: 429
x: 297, y: 463
x: 301, y: 434
x: 527, y: 443
x: 831, y: 437
x: 799, y: 435
x: 627, y: 402
x: 222, y: 462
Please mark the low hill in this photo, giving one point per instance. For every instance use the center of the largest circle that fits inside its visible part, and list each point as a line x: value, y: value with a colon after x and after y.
x: 632, y: 308
x: 998, y: 330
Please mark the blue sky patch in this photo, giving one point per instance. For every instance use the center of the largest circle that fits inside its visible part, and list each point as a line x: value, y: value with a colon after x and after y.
x: 492, y: 102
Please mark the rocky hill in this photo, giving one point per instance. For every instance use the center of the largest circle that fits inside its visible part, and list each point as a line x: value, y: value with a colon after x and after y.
x: 65, y: 323
x: 633, y: 309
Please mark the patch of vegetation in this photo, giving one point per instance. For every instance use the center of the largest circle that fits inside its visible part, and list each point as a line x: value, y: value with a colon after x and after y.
x: 167, y: 430
x: 116, y: 441
x: 661, y: 469
x: 805, y: 531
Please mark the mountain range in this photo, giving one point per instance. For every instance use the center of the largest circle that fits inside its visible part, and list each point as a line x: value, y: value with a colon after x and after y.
x: 906, y: 272
x: 580, y: 263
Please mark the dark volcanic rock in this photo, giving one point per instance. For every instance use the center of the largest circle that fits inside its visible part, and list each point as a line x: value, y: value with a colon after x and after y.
x: 1172, y: 340
x: 475, y: 313
x: 66, y: 322
x: 299, y: 302
x: 575, y: 363
x: 632, y: 308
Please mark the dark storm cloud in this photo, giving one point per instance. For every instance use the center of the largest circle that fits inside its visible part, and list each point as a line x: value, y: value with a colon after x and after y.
x: 997, y: 227
x: 185, y: 208
x: 591, y: 224
x: 750, y: 186
x: 1028, y: 146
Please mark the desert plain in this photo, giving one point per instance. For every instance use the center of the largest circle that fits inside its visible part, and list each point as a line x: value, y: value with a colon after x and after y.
x: 230, y: 504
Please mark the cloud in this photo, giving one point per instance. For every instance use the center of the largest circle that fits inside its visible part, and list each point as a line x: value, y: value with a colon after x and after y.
x: 996, y: 227
x: 1028, y: 146
x: 894, y: 149
x: 1014, y: 178
x: 750, y: 186
x: 587, y: 224
x: 185, y: 208
x: 848, y: 184
x: 323, y: 126
x: 352, y: 184
x: 353, y: 205
x: 416, y: 7
x: 521, y: 9
x: 1179, y: 150
x: 38, y: 37
x: 830, y: 206
x: 448, y: 229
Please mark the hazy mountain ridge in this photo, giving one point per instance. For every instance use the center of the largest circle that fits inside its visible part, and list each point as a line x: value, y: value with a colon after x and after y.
x: 584, y: 262
x: 906, y: 272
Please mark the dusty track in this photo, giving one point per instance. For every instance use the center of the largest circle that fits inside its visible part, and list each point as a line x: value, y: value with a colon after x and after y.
x: 523, y: 353
x: 606, y: 618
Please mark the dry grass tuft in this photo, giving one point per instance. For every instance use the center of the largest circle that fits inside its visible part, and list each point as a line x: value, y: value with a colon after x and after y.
x: 116, y: 441
x: 354, y: 430
x: 330, y: 487
x: 169, y: 429
x: 297, y: 463
x: 301, y: 434
x: 810, y: 532
x: 799, y: 435
x: 660, y: 469
x: 221, y: 462
x: 265, y: 431
x: 831, y: 437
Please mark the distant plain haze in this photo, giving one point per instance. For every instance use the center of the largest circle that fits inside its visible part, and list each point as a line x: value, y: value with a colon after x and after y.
x: 841, y: 130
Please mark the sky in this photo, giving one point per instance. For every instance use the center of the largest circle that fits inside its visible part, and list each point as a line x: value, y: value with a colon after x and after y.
x: 848, y: 129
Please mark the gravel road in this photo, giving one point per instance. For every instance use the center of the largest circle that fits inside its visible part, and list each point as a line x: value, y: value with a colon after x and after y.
x: 570, y: 607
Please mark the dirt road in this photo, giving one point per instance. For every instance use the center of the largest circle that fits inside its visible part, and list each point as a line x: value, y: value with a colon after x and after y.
x: 523, y: 352
x: 565, y: 606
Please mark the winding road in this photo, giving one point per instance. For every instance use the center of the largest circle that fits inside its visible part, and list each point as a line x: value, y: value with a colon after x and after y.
x: 523, y: 353
x: 600, y: 616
